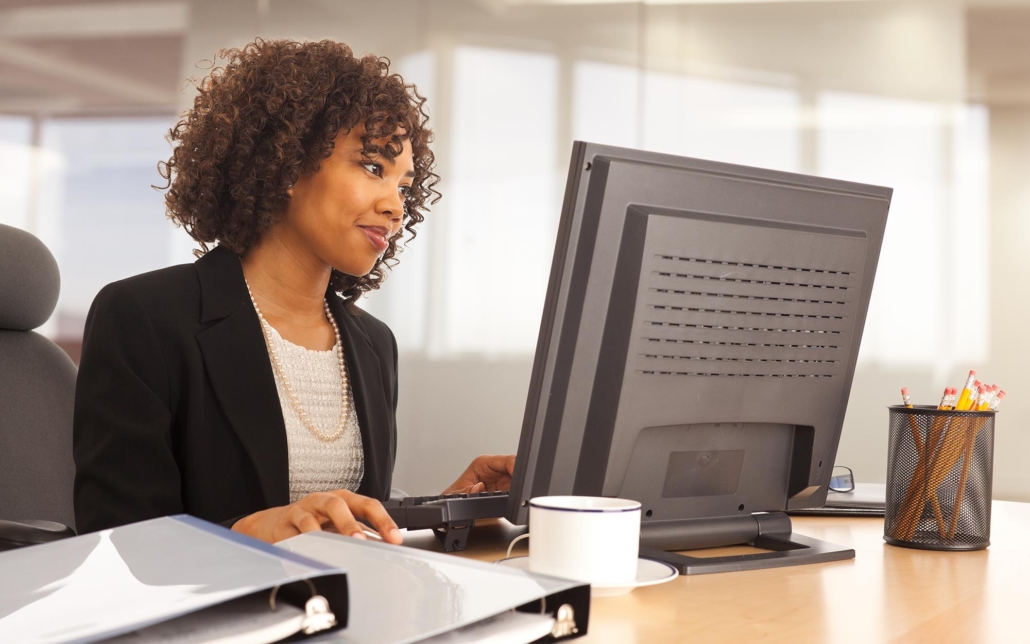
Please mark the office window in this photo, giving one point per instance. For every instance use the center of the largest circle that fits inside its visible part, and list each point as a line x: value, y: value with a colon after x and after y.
x: 16, y: 169
x: 729, y: 121
x: 605, y: 106
x: 97, y: 211
x: 969, y: 319
x: 930, y: 300
x: 502, y: 201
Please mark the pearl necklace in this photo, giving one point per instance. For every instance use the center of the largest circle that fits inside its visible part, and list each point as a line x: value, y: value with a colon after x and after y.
x: 294, y: 402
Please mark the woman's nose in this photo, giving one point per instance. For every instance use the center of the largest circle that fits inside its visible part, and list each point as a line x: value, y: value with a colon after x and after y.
x: 392, y: 206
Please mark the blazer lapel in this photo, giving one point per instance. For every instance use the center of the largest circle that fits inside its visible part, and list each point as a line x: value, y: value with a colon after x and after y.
x: 370, y: 403
x: 240, y: 371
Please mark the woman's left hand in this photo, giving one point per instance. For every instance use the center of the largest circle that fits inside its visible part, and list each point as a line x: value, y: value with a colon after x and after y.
x: 487, y: 473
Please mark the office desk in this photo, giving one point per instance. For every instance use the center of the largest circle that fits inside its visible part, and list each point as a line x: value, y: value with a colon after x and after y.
x: 885, y: 594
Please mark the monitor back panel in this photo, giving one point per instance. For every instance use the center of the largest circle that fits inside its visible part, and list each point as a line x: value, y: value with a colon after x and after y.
x: 699, y: 336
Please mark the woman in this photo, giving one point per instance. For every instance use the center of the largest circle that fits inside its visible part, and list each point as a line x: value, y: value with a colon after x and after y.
x: 247, y: 388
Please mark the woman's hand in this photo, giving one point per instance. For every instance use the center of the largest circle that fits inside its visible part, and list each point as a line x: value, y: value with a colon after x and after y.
x: 488, y: 473
x: 339, y: 509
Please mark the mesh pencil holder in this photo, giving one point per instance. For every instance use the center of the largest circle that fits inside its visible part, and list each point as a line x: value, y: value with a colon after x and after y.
x: 939, y: 470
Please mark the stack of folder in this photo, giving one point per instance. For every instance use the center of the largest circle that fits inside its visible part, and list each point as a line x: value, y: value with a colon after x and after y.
x: 185, y: 580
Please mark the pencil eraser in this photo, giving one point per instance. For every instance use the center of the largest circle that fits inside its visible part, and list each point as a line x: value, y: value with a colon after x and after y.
x: 976, y: 384
x: 1001, y: 394
x: 904, y: 391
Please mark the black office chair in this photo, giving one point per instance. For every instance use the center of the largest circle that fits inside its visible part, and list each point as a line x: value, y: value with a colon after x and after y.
x: 37, y: 390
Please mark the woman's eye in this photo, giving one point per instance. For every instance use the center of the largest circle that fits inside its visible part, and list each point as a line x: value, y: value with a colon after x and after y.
x: 374, y: 168
x: 405, y: 190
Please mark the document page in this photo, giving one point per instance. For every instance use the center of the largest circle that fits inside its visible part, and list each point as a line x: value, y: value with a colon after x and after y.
x: 507, y: 628
x: 247, y: 620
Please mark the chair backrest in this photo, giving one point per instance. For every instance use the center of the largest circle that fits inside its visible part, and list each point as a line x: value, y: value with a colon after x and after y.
x: 37, y: 387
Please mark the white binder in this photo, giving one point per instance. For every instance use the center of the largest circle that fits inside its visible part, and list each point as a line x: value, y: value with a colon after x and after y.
x: 400, y: 595
x: 100, y: 585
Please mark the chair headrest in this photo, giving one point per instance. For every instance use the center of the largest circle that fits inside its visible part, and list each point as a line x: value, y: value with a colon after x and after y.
x: 29, y: 280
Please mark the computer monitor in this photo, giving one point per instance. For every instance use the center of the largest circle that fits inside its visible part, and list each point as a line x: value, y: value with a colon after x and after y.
x: 697, y: 348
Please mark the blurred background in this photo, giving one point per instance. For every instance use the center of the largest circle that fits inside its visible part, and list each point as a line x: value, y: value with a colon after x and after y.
x: 931, y: 98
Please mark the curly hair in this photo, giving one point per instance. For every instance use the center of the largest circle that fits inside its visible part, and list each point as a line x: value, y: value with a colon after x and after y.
x: 271, y: 114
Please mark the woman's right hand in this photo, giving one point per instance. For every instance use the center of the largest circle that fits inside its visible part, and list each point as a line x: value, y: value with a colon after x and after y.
x: 339, y: 509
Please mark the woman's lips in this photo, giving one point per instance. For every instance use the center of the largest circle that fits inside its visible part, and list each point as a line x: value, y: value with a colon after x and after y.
x: 377, y: 237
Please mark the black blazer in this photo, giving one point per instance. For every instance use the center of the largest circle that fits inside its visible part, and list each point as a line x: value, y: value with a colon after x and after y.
x: 176, y: 408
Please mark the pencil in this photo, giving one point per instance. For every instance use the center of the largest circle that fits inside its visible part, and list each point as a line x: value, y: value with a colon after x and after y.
x: 967, y: 390
x: 967, y: 455
x: 952, y: 447
x: 997, y: 400
x: 917, y: 494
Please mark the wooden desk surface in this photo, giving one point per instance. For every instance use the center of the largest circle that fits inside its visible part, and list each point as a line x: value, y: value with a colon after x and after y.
x: 885, y: 594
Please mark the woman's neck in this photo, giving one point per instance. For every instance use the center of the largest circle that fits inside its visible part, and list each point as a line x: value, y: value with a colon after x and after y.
x: 288, y: 284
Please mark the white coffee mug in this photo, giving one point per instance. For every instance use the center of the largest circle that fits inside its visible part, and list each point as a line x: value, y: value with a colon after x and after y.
x: 586, y: 538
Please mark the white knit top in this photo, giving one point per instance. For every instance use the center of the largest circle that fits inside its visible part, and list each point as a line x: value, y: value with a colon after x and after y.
x: 315, y: 465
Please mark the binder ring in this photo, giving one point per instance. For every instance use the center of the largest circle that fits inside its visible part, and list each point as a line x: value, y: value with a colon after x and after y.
x: 275, y: 591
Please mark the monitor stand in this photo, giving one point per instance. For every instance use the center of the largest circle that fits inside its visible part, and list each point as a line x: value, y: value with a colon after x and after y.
x: 768, y: 531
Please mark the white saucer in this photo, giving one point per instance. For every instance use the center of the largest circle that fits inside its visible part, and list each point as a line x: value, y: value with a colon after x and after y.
x: 649, y: 573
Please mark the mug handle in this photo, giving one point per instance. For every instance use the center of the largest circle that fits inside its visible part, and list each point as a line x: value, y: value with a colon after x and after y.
x: 513, y: 542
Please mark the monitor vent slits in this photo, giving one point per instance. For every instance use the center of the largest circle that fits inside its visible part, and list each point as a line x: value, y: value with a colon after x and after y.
x: 733, y: 318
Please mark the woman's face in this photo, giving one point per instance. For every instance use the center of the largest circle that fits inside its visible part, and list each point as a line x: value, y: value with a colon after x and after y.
x: 346, y: 213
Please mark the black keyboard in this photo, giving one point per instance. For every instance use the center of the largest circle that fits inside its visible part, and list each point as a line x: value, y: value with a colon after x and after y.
x: 449, y: 515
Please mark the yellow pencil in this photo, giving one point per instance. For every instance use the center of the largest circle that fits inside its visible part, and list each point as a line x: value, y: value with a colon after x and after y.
x: 967, y: 391
x: 997, y: 400
x: 985, y: 403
